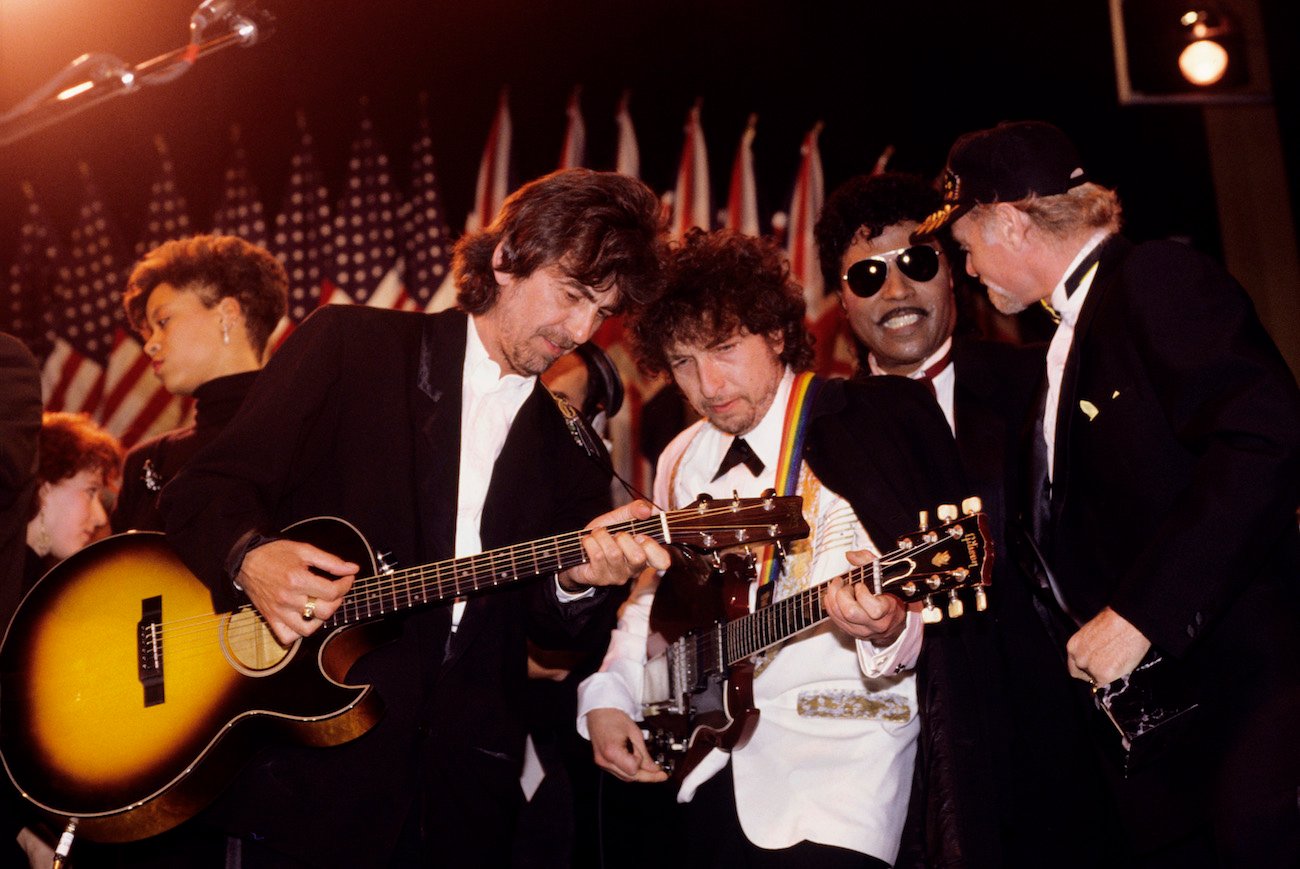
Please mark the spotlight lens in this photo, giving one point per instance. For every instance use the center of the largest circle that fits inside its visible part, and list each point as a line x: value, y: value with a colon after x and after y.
x: 1203, y: 62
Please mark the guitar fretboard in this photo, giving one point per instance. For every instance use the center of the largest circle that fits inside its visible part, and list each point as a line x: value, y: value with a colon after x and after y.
x: 442, y: 581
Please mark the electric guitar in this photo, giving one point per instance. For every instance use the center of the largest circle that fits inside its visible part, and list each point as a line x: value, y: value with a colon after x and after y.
x: 126, y: 703
x: 698, y: 692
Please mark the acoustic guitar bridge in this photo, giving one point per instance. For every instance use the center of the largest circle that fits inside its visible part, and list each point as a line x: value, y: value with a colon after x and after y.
x: 149, y: 646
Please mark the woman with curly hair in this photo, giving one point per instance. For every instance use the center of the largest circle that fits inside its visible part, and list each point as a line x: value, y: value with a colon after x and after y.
x: 78, y: 461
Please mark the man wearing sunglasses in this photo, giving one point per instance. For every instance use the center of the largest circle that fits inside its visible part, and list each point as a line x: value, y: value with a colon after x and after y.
x: 900, y: 302
x: 1164, y: 472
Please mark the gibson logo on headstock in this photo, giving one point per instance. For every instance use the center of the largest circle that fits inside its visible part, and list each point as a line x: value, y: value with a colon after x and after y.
x: 972, y: 547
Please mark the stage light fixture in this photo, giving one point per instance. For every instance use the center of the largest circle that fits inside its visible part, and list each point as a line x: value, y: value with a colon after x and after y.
x: 1188, y: 51
x: 1205, y: 60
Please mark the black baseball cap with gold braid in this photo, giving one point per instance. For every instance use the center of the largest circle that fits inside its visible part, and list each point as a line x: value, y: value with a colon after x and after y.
x: 1004, y: 164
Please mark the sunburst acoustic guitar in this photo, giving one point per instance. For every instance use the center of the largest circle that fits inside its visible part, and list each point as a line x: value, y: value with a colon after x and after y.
x: 126, y: 703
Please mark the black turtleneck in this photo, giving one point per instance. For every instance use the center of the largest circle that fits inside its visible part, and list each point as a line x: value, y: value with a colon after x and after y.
x: 152, y: 463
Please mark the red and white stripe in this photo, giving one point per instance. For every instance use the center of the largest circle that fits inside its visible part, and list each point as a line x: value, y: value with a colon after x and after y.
x: 742, y: 199
x: 628, y: 161
x: 691, y: 201
x: 493, y: 170
x: 573, y: 153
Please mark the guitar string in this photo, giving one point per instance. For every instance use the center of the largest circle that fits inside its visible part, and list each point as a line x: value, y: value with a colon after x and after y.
x: 448, y: 579
x: 245, y: 629
x: 749, y: 626
x: 179, y: 652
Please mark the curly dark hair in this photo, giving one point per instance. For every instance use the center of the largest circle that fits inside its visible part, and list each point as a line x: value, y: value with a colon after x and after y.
x: 714, y: 283
x: 71, y: 443
x: 873, y: 203
x: 601, y: 228
x: 214, y: 267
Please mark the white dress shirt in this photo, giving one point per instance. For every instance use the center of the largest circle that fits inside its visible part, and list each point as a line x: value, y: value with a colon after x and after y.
x: 1058, y: 351
x: 831, y: 758
x: 489, y: 403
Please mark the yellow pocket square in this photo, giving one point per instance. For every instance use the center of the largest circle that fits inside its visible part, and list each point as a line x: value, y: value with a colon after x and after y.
x: 1089, y: 409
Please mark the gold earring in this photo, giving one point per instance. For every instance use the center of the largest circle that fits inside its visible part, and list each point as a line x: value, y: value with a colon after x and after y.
x: 42, y: 535
x: 225, y: 332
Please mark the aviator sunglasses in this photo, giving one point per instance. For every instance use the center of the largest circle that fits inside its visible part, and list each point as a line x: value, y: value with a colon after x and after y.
x: 920, y: 262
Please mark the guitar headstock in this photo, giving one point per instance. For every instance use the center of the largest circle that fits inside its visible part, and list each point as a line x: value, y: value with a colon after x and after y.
x: 709, y: 524
x: 940, y: 561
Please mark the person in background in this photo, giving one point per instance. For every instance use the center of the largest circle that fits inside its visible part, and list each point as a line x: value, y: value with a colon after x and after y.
x: 205, y: 308
x: 78, y: 463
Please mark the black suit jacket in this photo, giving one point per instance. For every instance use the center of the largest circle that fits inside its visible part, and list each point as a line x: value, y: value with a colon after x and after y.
x: 20, y: 426
x: 358, y: 415
x: 1177, y: 475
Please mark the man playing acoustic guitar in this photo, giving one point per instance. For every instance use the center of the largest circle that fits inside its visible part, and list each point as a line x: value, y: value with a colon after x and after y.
x: 431, y: 434
x: 825, y: 777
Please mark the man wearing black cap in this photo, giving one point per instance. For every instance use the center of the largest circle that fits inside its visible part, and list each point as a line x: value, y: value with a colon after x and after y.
x: 1010, y: 805
x: 1163, y: 477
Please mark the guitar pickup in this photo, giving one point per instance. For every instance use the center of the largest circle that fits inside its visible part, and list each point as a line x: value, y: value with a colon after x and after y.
x: 149, y: 650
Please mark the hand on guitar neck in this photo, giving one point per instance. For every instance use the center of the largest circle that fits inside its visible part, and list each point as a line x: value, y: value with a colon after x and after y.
x: 295, y: 601
x: 615, y: 559
x: 853, y: 609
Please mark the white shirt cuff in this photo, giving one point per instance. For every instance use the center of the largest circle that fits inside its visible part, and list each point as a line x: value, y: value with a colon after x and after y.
x: 898, y: 656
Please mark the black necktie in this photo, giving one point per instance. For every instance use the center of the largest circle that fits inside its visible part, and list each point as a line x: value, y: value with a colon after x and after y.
x: 739, y: 453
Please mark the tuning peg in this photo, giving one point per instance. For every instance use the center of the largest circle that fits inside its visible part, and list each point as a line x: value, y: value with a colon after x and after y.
x: 955, y: 607
x: 924, y: 522
x: 735, y: 500
x: 972, y: 505
x: 946, y: 512
x: 981, y: 599
x: 931, y: 614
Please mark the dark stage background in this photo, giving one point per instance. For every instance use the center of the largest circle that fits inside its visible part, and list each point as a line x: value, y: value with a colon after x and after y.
x: 911, y: 74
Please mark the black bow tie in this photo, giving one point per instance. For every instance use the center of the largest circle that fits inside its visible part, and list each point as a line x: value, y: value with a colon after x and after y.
x: 739, y: 453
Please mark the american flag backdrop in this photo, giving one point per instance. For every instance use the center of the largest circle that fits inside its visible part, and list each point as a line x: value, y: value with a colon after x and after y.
x: 367, y: 227
x: 303, y: 238
x: 136, y: 404
x: 426, y: 250
x: 692, y: 197
x: 365, y: 243
x: 87, y: 309
x: 240, y: 212
x: 742, y: 199
x: 31, y: 280
x: 493, y: 169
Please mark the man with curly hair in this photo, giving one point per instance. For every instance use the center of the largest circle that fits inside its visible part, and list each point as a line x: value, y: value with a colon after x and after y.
x: 824, y: 778
x: 431, y: 434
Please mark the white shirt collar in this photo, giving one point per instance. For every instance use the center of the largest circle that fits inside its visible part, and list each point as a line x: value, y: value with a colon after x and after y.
x: 934, y: 357
x: 482, y: 373
x: 1067, y: 307
x: 765, y: 438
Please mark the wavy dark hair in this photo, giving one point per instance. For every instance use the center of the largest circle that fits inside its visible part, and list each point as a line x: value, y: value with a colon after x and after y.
x: 714, y: 283
x: 214, y: 267
x: 71, y: 443
x: 601, y: 228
